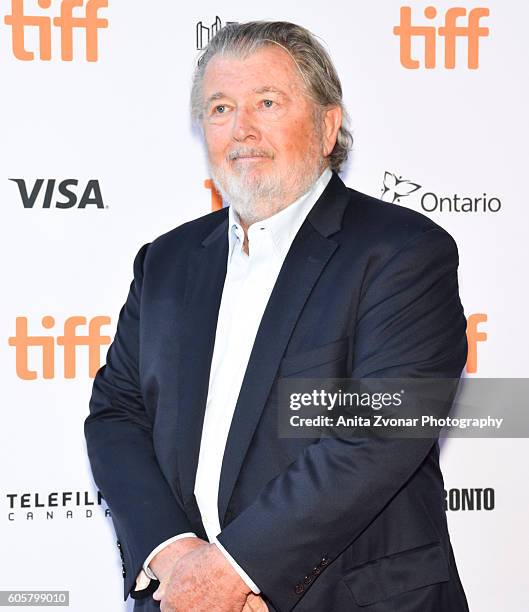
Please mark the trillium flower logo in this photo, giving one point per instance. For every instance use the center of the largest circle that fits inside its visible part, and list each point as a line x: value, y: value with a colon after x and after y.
x: 395, y: 187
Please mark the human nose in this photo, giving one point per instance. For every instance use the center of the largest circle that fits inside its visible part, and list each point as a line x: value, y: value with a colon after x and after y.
x: 244, y: 126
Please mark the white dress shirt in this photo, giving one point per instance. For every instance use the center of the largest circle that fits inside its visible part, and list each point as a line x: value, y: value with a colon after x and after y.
x: 249, y: 281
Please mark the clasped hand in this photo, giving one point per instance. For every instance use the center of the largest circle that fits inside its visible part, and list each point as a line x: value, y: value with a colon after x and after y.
x: 202, y: 580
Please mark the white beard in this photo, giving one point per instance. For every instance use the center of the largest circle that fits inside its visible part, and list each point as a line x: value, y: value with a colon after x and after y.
x: 256, y: 197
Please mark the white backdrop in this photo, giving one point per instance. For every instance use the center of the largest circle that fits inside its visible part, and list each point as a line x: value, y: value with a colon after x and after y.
x: 121, y: 124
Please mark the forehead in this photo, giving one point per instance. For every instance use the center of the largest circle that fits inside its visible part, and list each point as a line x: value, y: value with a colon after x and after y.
x: 270, y: 66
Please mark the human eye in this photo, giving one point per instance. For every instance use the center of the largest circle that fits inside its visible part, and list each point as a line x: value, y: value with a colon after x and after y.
x: 267, y: 103
x: 219, y: 109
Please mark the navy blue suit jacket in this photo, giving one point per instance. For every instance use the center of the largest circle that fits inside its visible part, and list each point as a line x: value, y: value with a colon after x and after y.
x: 368, y: 289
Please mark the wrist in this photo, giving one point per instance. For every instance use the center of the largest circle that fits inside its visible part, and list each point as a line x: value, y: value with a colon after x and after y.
x: 237, y: 582
x: 162, y: 563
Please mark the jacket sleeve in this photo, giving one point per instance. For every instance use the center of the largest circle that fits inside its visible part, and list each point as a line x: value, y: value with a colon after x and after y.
x: 410, y: 324
x: 118, y: 432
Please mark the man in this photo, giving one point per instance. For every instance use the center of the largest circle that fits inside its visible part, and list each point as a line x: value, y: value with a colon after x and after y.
x: 299, y: 277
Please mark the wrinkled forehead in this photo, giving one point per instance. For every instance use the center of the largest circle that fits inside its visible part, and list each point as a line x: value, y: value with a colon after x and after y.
x: 268, y: 68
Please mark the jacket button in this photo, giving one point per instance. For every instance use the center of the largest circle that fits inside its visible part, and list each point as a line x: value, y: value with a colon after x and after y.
x: 299, y: 588
x: 307, y: 579
x: 123, y: 573
x: 118, y: 544
x: 324, y: 561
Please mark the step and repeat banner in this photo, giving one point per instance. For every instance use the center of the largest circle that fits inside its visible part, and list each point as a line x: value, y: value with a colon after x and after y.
x: 98, y: 157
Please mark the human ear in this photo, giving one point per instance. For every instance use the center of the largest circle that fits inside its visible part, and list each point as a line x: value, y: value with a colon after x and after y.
x: 332, y: 120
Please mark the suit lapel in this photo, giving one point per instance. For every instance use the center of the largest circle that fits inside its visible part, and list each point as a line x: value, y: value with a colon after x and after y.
x: 309, y: 254
x: 205, y: 280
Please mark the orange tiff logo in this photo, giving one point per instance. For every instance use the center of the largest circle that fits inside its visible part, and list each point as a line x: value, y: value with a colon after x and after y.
x: 450, y: 32
x: 216, y: 197
x: 70, y: 340
x: 65, y: 22
x: 474, y: 337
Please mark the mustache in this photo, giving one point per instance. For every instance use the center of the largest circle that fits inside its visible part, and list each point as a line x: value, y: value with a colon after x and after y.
x: 249, y: 152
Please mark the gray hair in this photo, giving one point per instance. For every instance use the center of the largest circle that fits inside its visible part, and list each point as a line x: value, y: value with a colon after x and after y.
x: 319, y: 76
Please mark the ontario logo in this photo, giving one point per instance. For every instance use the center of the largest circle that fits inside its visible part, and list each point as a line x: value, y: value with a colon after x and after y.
x: 396, y: 188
